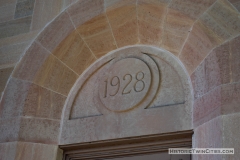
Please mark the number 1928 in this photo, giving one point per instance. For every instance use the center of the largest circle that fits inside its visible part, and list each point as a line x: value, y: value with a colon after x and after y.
x: 115, y: 82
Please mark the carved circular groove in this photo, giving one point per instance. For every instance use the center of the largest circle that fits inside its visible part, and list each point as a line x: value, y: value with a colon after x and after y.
x: 127, y: 82
x: 124, y: 84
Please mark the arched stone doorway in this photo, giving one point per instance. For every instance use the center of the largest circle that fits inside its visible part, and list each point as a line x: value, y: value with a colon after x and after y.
x: 197, y: 33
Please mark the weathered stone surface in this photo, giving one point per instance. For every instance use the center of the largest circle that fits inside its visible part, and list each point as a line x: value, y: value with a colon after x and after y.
x: 235, y: 56
x: 231, y: 134
x: 18, y: 39
x: 7, y: 12
x: 39, y: 130
x: 83, y: 11
x: 32, y: 61
x: 22, y: 98
x: 13, y: 99
x: 98, y: 35
x: 209, y: 135
x: 131, y: 100
x: 122, y: 16
x: 225, y: 16
x: 151, y: 15
x: 236, y: 4
x: 8, y: 150
x: 9, y: 129
x: 208, y: 32
x: 45, y: 11
x: 15, y: 27
x: 207, y: 107
x: 230, y: 98
x: 197, y: 46
x: 6, y: 2
x: 25, y: 150
x: 74, y: 53
x: 173, y: 40
x: 66, y: 3
x: 11, y: 54
x: 4, y: 75
x: 213, y: 71
x: 24, y: 8
x: 55, y: 32
x: 55, y: 76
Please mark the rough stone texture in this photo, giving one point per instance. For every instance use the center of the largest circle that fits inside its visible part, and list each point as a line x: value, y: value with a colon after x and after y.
x: 236, y: 4
x: 39, y: 130
x: 208, y: 32
x: 222, y: 100
x: 213, y: 71
x: 231, y: 138
x: 55, y: 76
x: 179, y: 20
x: 207, y: 107
x: 230, y: 98
x: 10, y: 54
x: 29, y: 130
x: 235, y: 56
x: 22, y: 98
x: 18, y: 39
x: 45, y: 11
x: 15, y: 27
x: 9, y: 129
x: 209, y: 135
x: 4, y: 74
x: 136, y: 109
x: 55, y: 32
x: 122, y: 17
x: 98, y: 35
x: 23, y: 150
x: 221, y: 66
x: 74, y: 53
x: 7, y: 12
x: 83, y: 11
x: 151, y: 15
x: 24, y: 8
x: 32, y: 61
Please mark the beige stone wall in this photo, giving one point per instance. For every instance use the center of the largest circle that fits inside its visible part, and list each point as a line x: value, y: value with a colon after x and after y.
x: 203, y: 35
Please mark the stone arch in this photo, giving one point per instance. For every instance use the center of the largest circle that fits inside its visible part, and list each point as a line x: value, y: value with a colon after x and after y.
x: 195, y: 32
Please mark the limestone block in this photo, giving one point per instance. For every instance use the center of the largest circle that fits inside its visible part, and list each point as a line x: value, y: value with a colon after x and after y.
x: 151, y: 15
x: 8, y: 150
x: 55, y: 32
x: 83, y: 11
x: 207, y: 107
x: 24, y: 8
x: 7, y: 12
x: 173, y: 40
x: 4, y: 75
x: 230, y: 98
x: 25, y: 150
x: 133, y: 91
x: 9, y: 129
x: 197, y: 46
x: 122, y: 16
x: 235, y: 55
x: 45, y: 11
x: 231, y: 134
x: 18, y: 38
x: 39, y: 130
x: 15, y: 27
x: 74, y: 53
x: 6, y: 2
x: 55, y: 75
x: 30, y: 64
x: 209, y: 135
x: 22, y: 98
x: 10, y: 54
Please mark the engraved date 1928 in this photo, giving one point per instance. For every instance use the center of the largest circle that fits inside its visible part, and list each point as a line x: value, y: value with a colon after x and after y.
x: 116, y: 82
